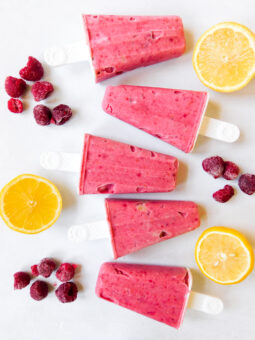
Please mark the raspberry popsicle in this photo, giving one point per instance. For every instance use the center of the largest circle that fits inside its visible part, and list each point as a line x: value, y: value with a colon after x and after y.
x: 159, y: 292
x: 175, y: 116
x: 119, y: 43
x: 113, y: 167
x: 122, y: 43
x: 136, y: 224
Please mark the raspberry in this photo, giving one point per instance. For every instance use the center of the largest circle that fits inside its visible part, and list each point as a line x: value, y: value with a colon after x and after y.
x: 41, y: 90
x: 33, y: 70
x: 39, y: 290
x: 247, y: 183
x: 61, y: 114
x: 214, y: 166
x: 65, y: 272
x: 15, y: 105
x: 42, y: 115
x: 224, y: 194
x: 46, y: 267
x: 34, y: 270
x: 231, y: 171
x: 21, y: 280
x: 15, y: 87
x: 67, y: 292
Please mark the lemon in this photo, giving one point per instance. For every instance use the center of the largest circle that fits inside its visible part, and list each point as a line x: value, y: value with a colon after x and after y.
x: 30, y: 204
x: 224, y: 57
x: 224, y: 255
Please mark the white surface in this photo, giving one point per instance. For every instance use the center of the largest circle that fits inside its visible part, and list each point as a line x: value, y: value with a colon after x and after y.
x: 27, y: 28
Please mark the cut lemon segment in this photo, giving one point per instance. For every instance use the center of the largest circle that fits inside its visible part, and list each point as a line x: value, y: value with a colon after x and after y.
x: 30, y: 204
x: 224, y: 255
x: 224, y: 57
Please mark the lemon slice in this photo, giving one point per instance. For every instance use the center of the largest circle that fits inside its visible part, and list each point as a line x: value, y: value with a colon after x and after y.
x: 224, y: 57
x: 224, y: 255
x: 30, y: 204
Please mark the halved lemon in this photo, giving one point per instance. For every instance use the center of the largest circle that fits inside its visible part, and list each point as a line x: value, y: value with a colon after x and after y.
x: 224, y: 57
x: 30, y: 204
x: 224, y: 255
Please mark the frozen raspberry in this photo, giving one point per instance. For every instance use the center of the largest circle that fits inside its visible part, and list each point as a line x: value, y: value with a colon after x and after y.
x: 21, y: 280
x: 42, y: 115
x: 247, y: 183
x: 224, y: 194
x: 46, y: 267
x: 65, y: 272
x: 34, y: 270
x: 39, y: 290
x: 231, y: 171
x: 41, y: 90
x: 15, y: 87
x: 15, y: 105
x: 32, y: 71
x: 214, y: 166
x: 61, y: 114
x: 67, y: 292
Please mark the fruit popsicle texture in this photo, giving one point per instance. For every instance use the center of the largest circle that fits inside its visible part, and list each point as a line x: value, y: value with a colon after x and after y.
x: 121, y: 43
x: 112, y: 167
x: 159, y: 292
x: 136, y: 224
x: 172, y: 115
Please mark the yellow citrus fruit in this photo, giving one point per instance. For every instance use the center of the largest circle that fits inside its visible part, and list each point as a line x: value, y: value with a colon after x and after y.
x: 30, y: 204
x: 224, y: 57
x: 224, y: 255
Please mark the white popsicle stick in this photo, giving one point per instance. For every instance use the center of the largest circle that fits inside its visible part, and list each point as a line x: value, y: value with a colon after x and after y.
x: 217, y: 129
x: 88, y: 231
x: 205, y: 303
x: 67, y: 54
x: 62, y: 161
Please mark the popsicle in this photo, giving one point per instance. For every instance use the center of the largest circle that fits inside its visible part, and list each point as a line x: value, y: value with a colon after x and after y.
x: 158, y: 292
x: 113, y: 167
x: 135, y: 224
x: 174, y: 116
x: 119, y: 43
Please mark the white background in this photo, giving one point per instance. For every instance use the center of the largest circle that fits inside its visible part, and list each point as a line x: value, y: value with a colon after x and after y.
x: 27, y: 27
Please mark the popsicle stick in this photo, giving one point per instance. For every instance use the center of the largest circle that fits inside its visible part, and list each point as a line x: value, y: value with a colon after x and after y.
x: 62, y: 161
x: 219, y: 130
x: 67, y: 54
x: 205, y: 303
x: 88, y: 231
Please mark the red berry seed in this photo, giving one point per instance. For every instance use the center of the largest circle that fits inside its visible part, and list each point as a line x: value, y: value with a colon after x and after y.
x: 33, y: 70
x: 39, y: 290
x: 34, y: 270
x: 15, y: 87
x: 214, y: 166
x: 42, y: 115
x: 247, y: 183
x: 224, y: 194
x: 15, y: 105
x: 231, y: 171
x: 65, y: 272
x: 67, y: 292
x: 41, y: 90
x: 46, y: 267
x: 61, y: 114
x: 21, y: 280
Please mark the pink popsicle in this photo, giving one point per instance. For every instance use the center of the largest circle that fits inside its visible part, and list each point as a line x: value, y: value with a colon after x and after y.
x: 121, y: 43
x: 136, y: 224
x: 159, y: 292
x: 171, y: 115
x: 113, y: 167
